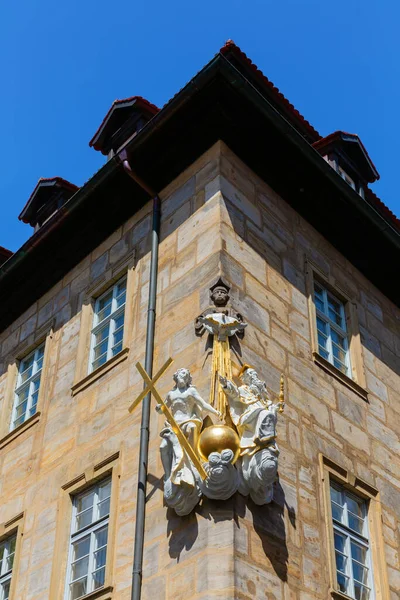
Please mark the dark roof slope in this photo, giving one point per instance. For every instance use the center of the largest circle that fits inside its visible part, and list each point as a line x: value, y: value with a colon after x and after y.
x: 231, y: 51
x: 4, y: 254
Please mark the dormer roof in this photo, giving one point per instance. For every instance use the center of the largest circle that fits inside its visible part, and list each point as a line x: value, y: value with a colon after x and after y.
x: 46, y: 191
x: 121, y: 113
x: 5, y: 254
x: 349, y: 145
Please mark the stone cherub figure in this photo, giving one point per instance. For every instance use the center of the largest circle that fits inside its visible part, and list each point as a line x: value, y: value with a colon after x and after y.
x: 255, y: 417
x: 220, y: 319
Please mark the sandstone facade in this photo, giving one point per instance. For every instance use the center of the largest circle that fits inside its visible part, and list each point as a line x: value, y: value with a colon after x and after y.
x: 218, y: 219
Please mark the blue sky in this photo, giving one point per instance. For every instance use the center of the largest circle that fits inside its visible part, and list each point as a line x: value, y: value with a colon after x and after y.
x: 63, y: 63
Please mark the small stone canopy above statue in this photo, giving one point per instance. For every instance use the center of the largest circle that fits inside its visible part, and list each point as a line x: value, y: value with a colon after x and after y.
x: 220, y: 319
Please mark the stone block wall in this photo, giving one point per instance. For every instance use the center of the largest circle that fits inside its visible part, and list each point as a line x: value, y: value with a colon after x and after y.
x: 218, y: 219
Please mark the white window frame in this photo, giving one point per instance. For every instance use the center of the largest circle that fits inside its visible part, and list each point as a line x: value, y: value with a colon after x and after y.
x: 362, y: 539
x: 331, y: 325
x: 109, y: 321
x: 96, y: 525
x: 6, y: 574
x: 29, y: 383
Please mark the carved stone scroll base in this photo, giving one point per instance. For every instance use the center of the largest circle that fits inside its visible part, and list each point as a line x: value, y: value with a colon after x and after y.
x: 258, y: 473
x: 183, y: 487
x: 223, y: 479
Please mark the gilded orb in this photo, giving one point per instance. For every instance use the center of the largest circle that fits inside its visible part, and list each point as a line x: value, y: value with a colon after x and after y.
x: 217, y: 438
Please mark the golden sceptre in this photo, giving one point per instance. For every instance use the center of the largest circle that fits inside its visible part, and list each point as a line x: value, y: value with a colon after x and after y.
x: 282, y: 395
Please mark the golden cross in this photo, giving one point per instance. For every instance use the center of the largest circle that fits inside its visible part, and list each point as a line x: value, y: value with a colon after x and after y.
x: 150, y: 388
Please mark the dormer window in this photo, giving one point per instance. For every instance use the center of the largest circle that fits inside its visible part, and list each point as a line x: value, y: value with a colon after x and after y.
x: 346, y: 177
x: 348, y: 156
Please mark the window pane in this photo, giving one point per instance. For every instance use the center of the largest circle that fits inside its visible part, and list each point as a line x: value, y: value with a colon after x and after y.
x: 100, y: 361
x: 361, y: 592
x: 104, y: 307
x: 100, y: 349
x: 343, y: 583
x: 335, y: 310
x: 355, y: 506
x: 118, y: 336
x: 84, y: 519
x: 36, y: 384
x: 121, y: 293
x: 104, y: 499
x: 119, y: 321
x: 340, y: 541
x: 19, y: 421
x: 340, y: 366
x: 358, y: 553
x: 21, y: 410
x: 318, y: 290
x: 26, y: 368
x: 85, y: 501
x: 101, y: 549
x: 98, y: 578
x: 12, y: 543
x: 5, y: 590
x: 117, y: 349
x: 105, y: 490
x: 341, y: 562
x: 337, y: 512
x: 84, y: 508
x: 78, y: 589
x: 338, y: 339
x: 322, y: 340
x: 23, y: 395
x: 32, y: 409
x: 102, y: 335
x: 360, y: 573
x: 322, y: 326
x: 81, y: 548
x: 355, y: 513
x: 323, y: 352
x: 336, y: 495
x: 319, y: 303
x: 9, y: 562
x: 339, y: 353
x: 80, y: 568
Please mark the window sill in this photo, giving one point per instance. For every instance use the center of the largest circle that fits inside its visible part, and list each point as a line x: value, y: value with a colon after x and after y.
x: 336, y: 595
x: 347, y: 381
x: 94, y: 375
x: 12, y: 435
x: 101, y: 594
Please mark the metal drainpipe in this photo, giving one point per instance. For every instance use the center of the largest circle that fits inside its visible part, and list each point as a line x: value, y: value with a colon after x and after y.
x: 148, y: 365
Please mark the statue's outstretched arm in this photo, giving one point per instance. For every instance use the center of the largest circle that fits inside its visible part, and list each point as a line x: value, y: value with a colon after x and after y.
x: 230, y: 389
x: 202, y: 403
x: 167, y: 402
